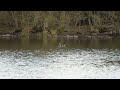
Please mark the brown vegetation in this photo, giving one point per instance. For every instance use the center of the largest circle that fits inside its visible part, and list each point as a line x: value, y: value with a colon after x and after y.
x: 50, y: 23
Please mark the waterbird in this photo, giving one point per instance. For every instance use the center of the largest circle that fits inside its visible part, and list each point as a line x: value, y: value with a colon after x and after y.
x: 61, y: 45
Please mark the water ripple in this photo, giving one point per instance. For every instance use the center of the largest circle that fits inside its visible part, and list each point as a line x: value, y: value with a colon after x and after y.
x: 60, y: 63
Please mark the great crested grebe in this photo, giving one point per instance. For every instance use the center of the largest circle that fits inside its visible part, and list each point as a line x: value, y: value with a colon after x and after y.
x: 61, y: 45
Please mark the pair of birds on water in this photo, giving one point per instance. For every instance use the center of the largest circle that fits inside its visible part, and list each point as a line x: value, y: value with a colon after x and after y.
x: 61, y: 45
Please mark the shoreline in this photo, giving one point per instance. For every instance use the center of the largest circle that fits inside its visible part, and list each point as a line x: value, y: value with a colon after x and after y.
x: 65, y: 36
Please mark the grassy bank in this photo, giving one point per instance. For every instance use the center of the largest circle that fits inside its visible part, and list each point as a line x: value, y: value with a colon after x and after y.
x: 54, y: 23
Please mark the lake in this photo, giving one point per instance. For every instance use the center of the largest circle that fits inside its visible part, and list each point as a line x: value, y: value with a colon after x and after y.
x: 45, y: 58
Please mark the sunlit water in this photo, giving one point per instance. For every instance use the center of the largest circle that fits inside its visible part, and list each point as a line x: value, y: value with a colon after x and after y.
x: 44, y: 59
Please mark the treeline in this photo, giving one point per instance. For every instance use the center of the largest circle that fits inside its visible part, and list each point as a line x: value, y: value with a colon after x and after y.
x: 59, y: 21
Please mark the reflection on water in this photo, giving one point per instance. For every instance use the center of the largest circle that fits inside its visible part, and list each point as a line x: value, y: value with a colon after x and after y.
x: 38, y: 58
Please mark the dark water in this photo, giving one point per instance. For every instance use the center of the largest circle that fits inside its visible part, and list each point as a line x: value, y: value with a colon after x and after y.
x: 45, y: 58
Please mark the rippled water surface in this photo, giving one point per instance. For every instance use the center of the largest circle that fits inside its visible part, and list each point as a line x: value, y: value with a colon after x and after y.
x: 38, y: 58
